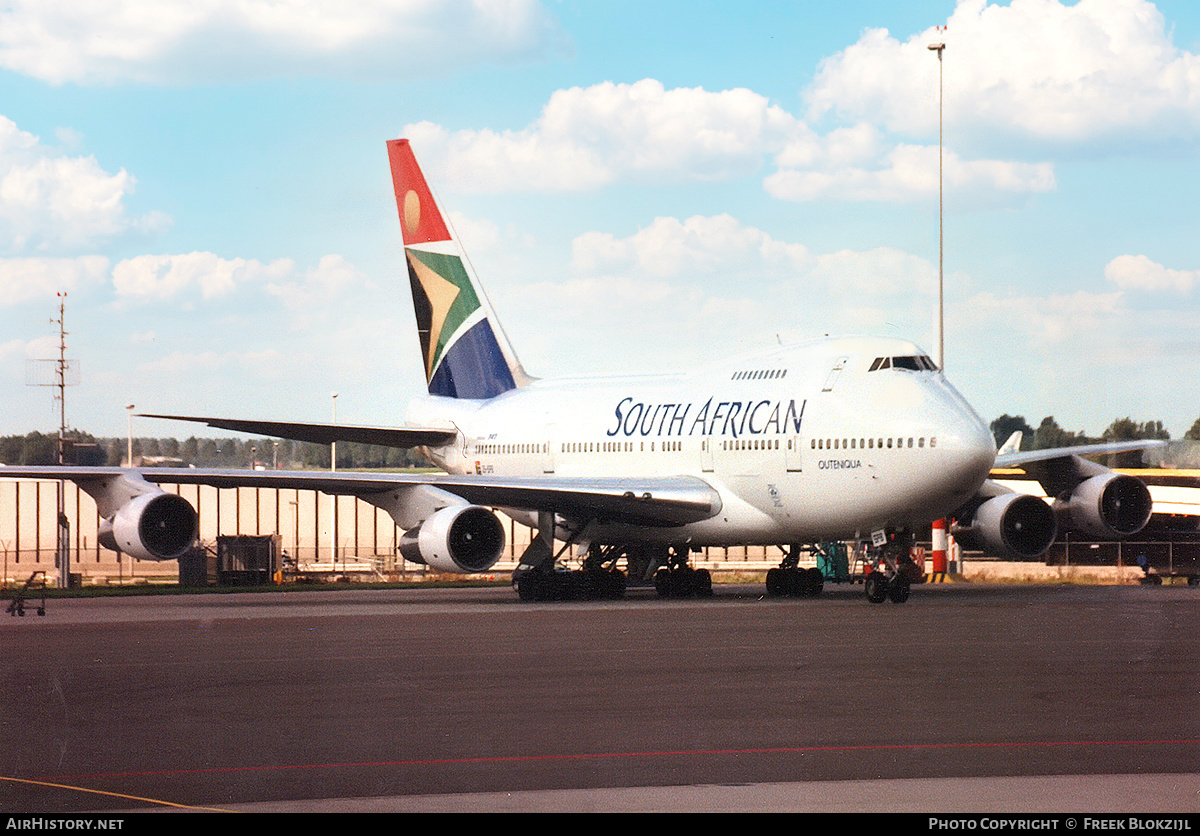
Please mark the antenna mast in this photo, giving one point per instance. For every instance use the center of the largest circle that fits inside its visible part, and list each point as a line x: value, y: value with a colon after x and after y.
x: 61, y: 376
x: 65, y: 373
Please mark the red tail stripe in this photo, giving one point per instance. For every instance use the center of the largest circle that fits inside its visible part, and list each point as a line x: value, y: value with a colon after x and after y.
x: 420, y: 220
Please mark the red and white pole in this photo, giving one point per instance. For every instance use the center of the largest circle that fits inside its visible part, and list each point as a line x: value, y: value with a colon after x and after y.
x: 938, y: 548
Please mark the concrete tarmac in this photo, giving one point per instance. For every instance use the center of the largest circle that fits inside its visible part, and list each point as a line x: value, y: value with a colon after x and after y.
x: 966, y: 698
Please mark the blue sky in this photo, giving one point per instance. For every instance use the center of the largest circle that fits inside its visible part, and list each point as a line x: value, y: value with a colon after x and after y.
x: 639, y: 185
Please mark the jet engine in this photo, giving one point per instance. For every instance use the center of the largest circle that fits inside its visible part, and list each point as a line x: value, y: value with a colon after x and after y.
x: 1012, y: 525
x: 1107, y: 505
x: 460, y: 538
x: 151, y: 526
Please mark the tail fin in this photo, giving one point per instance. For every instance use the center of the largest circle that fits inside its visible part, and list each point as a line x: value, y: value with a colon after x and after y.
x: 466, y: 352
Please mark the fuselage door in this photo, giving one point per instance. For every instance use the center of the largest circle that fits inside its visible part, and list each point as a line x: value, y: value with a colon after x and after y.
x: 792, y: 453
x: 548, y: 441
x: 834, y: 373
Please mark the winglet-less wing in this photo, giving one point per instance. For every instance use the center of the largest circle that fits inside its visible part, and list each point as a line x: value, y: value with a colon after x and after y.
x: 328, y: 433
x: 1085, y: 496
x: 1015, y: 459
x: 655, y: 501
x: 661, y: 501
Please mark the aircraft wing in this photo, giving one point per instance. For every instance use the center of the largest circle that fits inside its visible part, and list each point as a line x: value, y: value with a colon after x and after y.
x: 659, y: 501
x: 328, y: 433
x: 1017, y: 459
x: 1060, y: 470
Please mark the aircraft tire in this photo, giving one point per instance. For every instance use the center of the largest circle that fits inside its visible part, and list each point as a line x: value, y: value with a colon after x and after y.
x: 876, y: 587
x: 528, y: 588
x: 899, y: 589
x: 776, y: 583
x: 615, y: 583
x: 816, y: 582
x: 683, y: 583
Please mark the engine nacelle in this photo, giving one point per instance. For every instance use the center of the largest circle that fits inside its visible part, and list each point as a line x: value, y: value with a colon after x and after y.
x: 1108, y: 505
x: 1013, y: 525
x: 151, y: 526
x: 460, y: 538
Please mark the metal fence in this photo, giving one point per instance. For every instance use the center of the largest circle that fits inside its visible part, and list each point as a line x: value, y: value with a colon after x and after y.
x: 314, y: 529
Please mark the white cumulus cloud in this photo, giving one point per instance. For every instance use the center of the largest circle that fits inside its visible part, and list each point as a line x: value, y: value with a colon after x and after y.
x: 906, y: 173
x: 189, y: 41
x: 318, y: 285
x: 688, y: 250
x: 23, y: 279
x: 588, y: 137
x: 1138, y: 272
x: 168, y: 276
x: 51, y: 202
x: 1034, y: 68
x: 670, y: 247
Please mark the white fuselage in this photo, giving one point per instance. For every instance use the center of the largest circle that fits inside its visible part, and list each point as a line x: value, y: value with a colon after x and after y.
x: 803, y: 443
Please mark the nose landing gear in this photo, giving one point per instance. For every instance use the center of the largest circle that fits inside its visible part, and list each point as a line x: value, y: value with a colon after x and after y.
x: 890, y: 569
x: 879, y: 587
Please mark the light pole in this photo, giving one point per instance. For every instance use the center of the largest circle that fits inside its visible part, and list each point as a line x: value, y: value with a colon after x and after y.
x: 129, y: 449
x: 128, y: 463
x: 939, y: 48
x: 333, y: 445
x: 939, y: 541
x: 333, y: 500
x: 296, y: 531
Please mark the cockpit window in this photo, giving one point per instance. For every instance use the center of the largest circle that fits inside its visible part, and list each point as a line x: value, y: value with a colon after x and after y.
x: 913, y: 363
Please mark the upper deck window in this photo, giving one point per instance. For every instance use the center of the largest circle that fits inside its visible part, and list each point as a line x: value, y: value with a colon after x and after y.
x: 759, y: 374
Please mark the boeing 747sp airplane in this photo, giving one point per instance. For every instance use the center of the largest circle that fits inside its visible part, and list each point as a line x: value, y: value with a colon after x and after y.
x: 836, y: 439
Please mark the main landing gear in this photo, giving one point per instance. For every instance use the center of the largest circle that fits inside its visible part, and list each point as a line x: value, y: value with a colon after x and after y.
x: 542, y: 580
x: 539, y: 578
x: 789, y: 579
x: 678, y: 580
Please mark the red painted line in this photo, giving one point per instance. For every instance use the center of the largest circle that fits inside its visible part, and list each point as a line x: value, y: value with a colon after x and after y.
x: 653, y: 754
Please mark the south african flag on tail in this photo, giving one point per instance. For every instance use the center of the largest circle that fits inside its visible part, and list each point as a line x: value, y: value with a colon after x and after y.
x: 464, y: 349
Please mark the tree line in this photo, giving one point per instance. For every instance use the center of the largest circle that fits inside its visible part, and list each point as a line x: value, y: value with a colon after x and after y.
x: 37, y: 448
x: 1050, y: 435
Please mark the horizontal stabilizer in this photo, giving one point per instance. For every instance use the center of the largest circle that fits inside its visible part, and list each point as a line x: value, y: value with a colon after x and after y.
x: 328, y: 433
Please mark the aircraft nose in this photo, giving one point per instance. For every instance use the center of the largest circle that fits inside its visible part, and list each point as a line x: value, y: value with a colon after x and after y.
x: 970, y: 450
